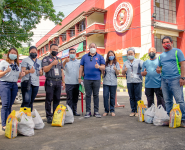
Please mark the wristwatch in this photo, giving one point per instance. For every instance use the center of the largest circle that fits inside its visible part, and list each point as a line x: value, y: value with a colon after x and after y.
x: 183, y: 78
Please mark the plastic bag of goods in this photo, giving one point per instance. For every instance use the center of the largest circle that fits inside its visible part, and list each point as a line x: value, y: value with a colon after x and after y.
x: 161, y: 117
x: 59, y: 116
x: 141, y: 108
x: 175, y: 116
x: 11, y: 126
x: 69, y: 118
x: 26, y: 110
x: 25, y: 124
x: 39, y: 124
x: 149, y: 114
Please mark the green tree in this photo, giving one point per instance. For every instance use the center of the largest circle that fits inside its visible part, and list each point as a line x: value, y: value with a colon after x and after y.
x: 19, y: 17
x: 145, y: 57
x: 23, y: 50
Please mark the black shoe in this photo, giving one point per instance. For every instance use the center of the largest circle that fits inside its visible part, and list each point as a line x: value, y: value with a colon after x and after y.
x: 49, y: 120
x: 87, y: 115
x: 97, y: 115
x: 3, y: 129
x: 76, y: 114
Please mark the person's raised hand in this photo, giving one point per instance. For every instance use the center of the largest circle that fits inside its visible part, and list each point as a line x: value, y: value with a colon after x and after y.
x: 67, y: 60
x: 22, y: 73
x: 55, y: 62
x: 114, y: 67
x: 158, y: 70
x: 32, y: 70
x: 145, y: 72
x: 97, y: 66
x: 8, y: 69
x: 125, y: 68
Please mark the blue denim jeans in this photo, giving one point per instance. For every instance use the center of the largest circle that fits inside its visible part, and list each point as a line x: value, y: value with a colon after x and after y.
x: 170, y: 88
x: 8, y: 92
x: 135, y: 92
x: 106, y: 91
x: 28, y: 95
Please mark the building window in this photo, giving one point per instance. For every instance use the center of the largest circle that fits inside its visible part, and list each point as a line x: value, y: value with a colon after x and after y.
x: 158, y: 42
x: 165, y: 10
x: 84, y: 45
x: 63, y: 35
x: 72, y: 31
x: 39, y: 52
x: 81, y: 26
x: 43, y: 50
x: 57, y: 40
x: 47, y: 48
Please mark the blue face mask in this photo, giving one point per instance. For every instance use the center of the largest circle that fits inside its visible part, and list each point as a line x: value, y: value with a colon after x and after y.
x: 130, y: 57
x: 12, y: 56
x: 72, y: 56
x: 111, y: 57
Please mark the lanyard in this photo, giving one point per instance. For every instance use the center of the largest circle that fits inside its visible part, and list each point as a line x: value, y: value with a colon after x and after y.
x: 35, y: 64
x: 131, y: 67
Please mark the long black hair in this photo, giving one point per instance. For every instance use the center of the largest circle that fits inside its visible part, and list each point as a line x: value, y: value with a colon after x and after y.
x: 107, y: 59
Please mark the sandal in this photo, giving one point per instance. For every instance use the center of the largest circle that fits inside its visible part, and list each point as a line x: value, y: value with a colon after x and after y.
x: 113, y: 114
x: 105, y: 114
x: 136, y: 114
x: 132, y: 114
x: 3, y: 128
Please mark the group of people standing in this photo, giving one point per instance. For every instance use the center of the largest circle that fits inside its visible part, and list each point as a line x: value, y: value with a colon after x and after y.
x: 164, y: 76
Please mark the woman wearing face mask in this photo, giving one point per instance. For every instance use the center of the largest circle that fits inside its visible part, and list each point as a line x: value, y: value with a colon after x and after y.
x: 110, y: 82
x: 30, y: 82
x: 132, y: 67
x: 9, y: 75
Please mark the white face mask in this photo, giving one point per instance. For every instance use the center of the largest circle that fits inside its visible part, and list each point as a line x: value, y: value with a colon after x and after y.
x: 92, y: 50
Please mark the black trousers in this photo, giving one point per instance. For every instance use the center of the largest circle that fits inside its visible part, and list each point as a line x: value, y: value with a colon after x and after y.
x: 149, y: 92
x: 72, y: 91
x: 53, y: 92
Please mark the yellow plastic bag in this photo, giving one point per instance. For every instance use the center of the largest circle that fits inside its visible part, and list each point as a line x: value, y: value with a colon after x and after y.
x: 11, y: 126
x: 141, y: 108
x: 26, y: 110
x: 175, y: 116
x: 59, y: 116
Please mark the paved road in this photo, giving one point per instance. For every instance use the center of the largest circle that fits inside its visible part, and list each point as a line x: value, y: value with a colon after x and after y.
x: 106, y: 133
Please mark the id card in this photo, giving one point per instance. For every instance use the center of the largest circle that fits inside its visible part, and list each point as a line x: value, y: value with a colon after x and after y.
x: 132, y: 75
x: 56, y: 71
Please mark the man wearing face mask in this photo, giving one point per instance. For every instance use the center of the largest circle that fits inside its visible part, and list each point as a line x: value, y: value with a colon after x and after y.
x: 72, y: 66
x: 92, y: 64
x: 52, y: 66
x: 152, y: 79
x: 132, y: 67
x: 172, y: 69
x: 30, y: 82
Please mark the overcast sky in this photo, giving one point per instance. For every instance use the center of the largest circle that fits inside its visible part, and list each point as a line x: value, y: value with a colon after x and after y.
x: 65, y: 6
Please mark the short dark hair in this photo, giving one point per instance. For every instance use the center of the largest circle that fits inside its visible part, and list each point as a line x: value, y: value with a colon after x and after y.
x: 53, y: 45
x: 167, y: 37
x: 72, y: 49
x: 32, y: 47
x: 130, y: 49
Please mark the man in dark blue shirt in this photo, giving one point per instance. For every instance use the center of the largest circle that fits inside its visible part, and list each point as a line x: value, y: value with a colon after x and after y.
x: 92, y: 64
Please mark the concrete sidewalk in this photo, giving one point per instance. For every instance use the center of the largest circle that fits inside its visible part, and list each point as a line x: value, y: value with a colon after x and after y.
x: 106, y: 133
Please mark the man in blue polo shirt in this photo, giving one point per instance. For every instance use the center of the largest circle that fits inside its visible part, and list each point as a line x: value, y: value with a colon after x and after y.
x: 92, y: 64
x: 172, y: 69
x: 152, y: 79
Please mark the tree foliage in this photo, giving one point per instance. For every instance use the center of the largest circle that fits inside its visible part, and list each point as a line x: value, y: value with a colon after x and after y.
x: 145, y: 57
x: 23, y: 50
x: 19, y: 17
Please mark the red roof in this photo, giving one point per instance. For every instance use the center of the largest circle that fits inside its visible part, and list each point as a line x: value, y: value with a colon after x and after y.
x: 85, y: 6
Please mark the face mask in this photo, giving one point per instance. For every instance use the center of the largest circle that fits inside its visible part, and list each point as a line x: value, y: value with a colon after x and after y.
x: 130, y: 57
x: 12, y: 56
x: 111, y: 57
x: 152, y: 55
x: 33, y: 55
x: 72, y: 56
x: 54, y: 53
x: 167, y: 46
x: 92, y: 50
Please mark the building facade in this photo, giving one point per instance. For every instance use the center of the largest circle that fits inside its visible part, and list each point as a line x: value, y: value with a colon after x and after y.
x: 117, y: 25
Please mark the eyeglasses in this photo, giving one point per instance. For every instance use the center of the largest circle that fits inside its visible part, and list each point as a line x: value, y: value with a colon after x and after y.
x: 91, y: 58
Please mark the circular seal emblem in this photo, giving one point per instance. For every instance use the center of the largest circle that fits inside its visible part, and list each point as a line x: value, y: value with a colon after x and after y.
x: 123, y: 17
